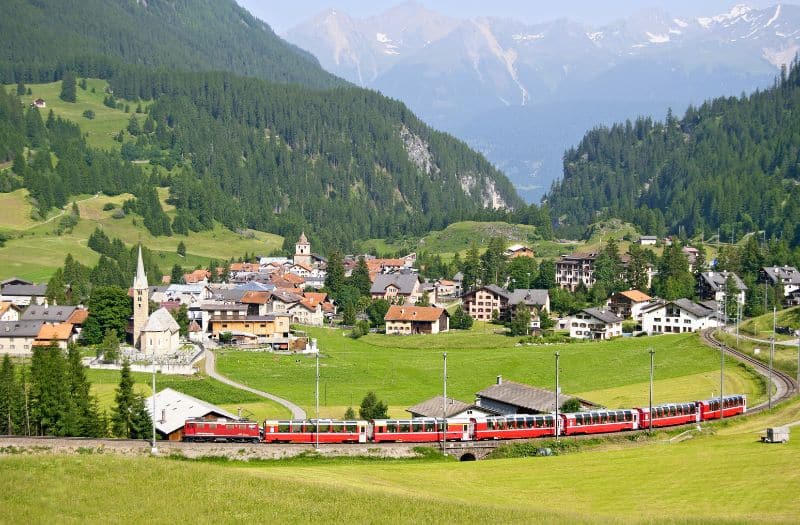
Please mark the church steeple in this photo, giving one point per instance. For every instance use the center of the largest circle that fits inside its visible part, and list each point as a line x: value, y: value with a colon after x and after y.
x: 141, y: 305
x: 302, y: 251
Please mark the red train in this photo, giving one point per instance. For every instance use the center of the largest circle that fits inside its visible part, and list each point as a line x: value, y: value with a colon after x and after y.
x: 422, y: 430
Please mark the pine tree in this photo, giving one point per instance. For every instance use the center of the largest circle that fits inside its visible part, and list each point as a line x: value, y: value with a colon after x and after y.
x: 109, y: 347
x: 11, y: 399
x: 181, y: 250
x: 521, y: 322
x: 48, y: 391
x: 334, y: 280
x: 373, y: 408
x: 68, y: 87
x: 472, y: 268
x: 359, y: 279
x: 84, y: 405
x: 129, y: 418
x: 176, y: 275
x: 20, y: 88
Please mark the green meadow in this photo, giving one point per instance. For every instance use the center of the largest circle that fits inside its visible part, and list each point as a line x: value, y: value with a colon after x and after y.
x: 722, y: 475
x: 405, y: 370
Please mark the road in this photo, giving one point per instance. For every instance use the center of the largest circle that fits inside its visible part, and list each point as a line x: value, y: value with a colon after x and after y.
x: 211, y: 371
x: 63, y: 211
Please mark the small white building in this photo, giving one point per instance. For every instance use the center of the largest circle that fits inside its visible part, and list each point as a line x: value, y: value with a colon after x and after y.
x: 648, y: 240
x: 161, y: 334
x: 593, y: 323
x: 678, y: 316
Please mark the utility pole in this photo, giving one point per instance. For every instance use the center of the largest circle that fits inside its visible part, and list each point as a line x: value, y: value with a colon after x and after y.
x: 798, y: 359
x: 556, y: 419
x: 316, y: 400
x: 771, y: 355
x: 650, y: 418
x: 738, y: 320
x: 721, y: 378
x: 444, y: 404
x: 153, y: 447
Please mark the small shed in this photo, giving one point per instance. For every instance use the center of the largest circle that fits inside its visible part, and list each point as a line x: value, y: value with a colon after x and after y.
x: 454, y: 409
x: 508, y: 397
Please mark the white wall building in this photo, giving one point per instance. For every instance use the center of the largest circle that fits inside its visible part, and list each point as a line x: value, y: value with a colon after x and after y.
x: 679, y: 316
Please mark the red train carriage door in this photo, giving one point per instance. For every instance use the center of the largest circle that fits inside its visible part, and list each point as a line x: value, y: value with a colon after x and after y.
x: 362, y: 432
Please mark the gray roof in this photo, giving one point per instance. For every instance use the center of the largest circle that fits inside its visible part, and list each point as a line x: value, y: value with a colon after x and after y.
x: 25, y: 290
x: 493, y: 288
x: 47, y: 313
x: 716, y: 280
x: 606, y: 316
x: 523, y: 396
x: 404, y: 281
x: 786, y: 274
x: 433, y: 407
x: 530, y: 297
x: 161, y: 321
x: 224, y: 307
x: 177, y: 407
x: 13, y: 280
x: 252, y: 286
x: 20, y: 328
x: 228, y: 294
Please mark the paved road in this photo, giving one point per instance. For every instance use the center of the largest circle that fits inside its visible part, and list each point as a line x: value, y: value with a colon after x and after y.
x: 211, y: 370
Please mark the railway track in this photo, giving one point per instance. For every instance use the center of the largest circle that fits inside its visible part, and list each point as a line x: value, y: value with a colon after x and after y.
x: 785, y: 385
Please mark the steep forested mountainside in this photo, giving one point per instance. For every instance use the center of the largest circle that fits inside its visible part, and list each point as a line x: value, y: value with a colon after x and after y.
x: 41, y: 38
x: 732, y: 164
x: 344, y: 163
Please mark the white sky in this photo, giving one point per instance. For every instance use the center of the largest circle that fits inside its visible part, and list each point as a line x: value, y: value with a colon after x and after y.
x: 284, y: 14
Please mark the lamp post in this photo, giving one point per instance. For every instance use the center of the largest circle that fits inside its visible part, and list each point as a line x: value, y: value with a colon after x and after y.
x: 316, y: 401
x: 444, y: 404
x: 650, y: 418
x: 771, y: 355
x: 556, y: 419
x: 153, y: 447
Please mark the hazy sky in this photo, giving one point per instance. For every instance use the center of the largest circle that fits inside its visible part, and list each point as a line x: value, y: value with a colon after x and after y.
x: 283, y: 14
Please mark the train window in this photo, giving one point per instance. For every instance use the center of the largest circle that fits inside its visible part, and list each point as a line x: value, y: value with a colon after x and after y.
x: 429, y: 426
x: 416, y: 427
x: 404, y: 427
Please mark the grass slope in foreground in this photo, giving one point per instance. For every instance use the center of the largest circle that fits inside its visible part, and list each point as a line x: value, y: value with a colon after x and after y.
x: 406, y: 370
x: 725, y: 478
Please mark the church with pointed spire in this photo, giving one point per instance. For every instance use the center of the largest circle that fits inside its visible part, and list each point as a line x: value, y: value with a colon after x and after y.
x: 141, y: 304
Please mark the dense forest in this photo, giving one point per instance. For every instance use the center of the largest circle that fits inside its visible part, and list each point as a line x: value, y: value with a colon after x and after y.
x: 92, y: 38
x: 343, y: 163
x: 731, y: 165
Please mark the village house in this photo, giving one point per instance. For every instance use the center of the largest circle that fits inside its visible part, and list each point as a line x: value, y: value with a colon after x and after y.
x: 39, y: 103
x: 55, y: 334
x: 9, y: 311
x: 197, y: 277
x: 578, y: 268
x: 174, y: 408
x: 446, y: 288
x: 508, y: 397
x: 453, y: 408
x: 307, y: 312
x: 221, y: 312
x: 24, y: 294
x: 628, y: 304
x: 403, y: 286
x: 482, y: 303
x: 679, y: 316
x: 17, y: 337
x: 270, y: 329
x: 408, y: 320
x: 648, y: 240
x: 787, y: 277
x: 160, y: 335
x: 518, y: 250
x: 593, y: 323
x: 711, y: 286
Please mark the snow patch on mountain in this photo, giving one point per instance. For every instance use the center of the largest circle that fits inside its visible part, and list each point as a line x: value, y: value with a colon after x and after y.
x: 506, y: 56
x: 775, y: 16
x: 680, y: 23
x: 519, y: 37
x: 657, y: 39
x: 739, y: 11
x: 595, y: 37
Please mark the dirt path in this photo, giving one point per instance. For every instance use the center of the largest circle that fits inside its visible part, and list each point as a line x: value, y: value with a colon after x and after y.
x: 211, y: 371
x: 63, y: 211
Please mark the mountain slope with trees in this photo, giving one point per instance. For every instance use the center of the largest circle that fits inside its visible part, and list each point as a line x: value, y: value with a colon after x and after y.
x: 731, y: 165
x: 44, y: 38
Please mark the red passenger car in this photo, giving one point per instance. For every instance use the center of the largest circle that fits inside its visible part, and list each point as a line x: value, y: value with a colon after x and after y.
x: 731, y: 406
x: 221, y: 430
x: 301, y: 431
x: 599, y: 421
x: 668, y: 415
x: 514, y: 427
x: 420, y: 430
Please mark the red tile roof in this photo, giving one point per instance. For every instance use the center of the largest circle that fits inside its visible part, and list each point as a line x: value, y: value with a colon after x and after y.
x: 413, y: 313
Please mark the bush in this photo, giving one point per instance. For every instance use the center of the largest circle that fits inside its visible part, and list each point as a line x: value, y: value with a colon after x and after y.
x: 88, y: 114
x: 571, y: 405
x: 109, y: 206
x: 361, y: 328
x: 628, y: 327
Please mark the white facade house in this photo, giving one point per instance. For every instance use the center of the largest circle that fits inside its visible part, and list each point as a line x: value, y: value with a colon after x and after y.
x: 161, y: 334
x: 679, y: 316
x: 593, y: 323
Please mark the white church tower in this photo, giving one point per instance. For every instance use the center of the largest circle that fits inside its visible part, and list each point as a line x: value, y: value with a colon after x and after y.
x: 302, y: 251
x: 141, y: 305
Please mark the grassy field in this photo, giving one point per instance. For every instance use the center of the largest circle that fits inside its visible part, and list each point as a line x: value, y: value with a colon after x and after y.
x: 761, y: 326
x: 36, y: 251
x: 105, y: 382
x: 106, y: 123
x: 406, y: 370
x: 724, y: 476
x: 784, y: 358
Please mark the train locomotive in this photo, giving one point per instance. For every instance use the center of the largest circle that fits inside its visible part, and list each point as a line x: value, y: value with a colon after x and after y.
x: 427, y: 430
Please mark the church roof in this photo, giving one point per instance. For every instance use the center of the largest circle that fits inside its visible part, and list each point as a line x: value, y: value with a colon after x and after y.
x: 303, y: 239
x: 161, y: 321
x: 140, y: 281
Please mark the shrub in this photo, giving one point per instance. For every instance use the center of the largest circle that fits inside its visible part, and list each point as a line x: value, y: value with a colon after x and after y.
x: 109, y: 206
x: 88, y: 114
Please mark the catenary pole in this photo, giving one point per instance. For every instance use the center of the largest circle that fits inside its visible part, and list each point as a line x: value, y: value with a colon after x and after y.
x: 154, y: 448
x: 316, y: 400
x: 772, y: 354
x: 650, y: 418
x: 444, y: 404
x: 556, y: 419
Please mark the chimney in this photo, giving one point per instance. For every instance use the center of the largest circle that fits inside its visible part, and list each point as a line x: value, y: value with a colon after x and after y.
x: 163, y: 415
x: 499, y: 380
